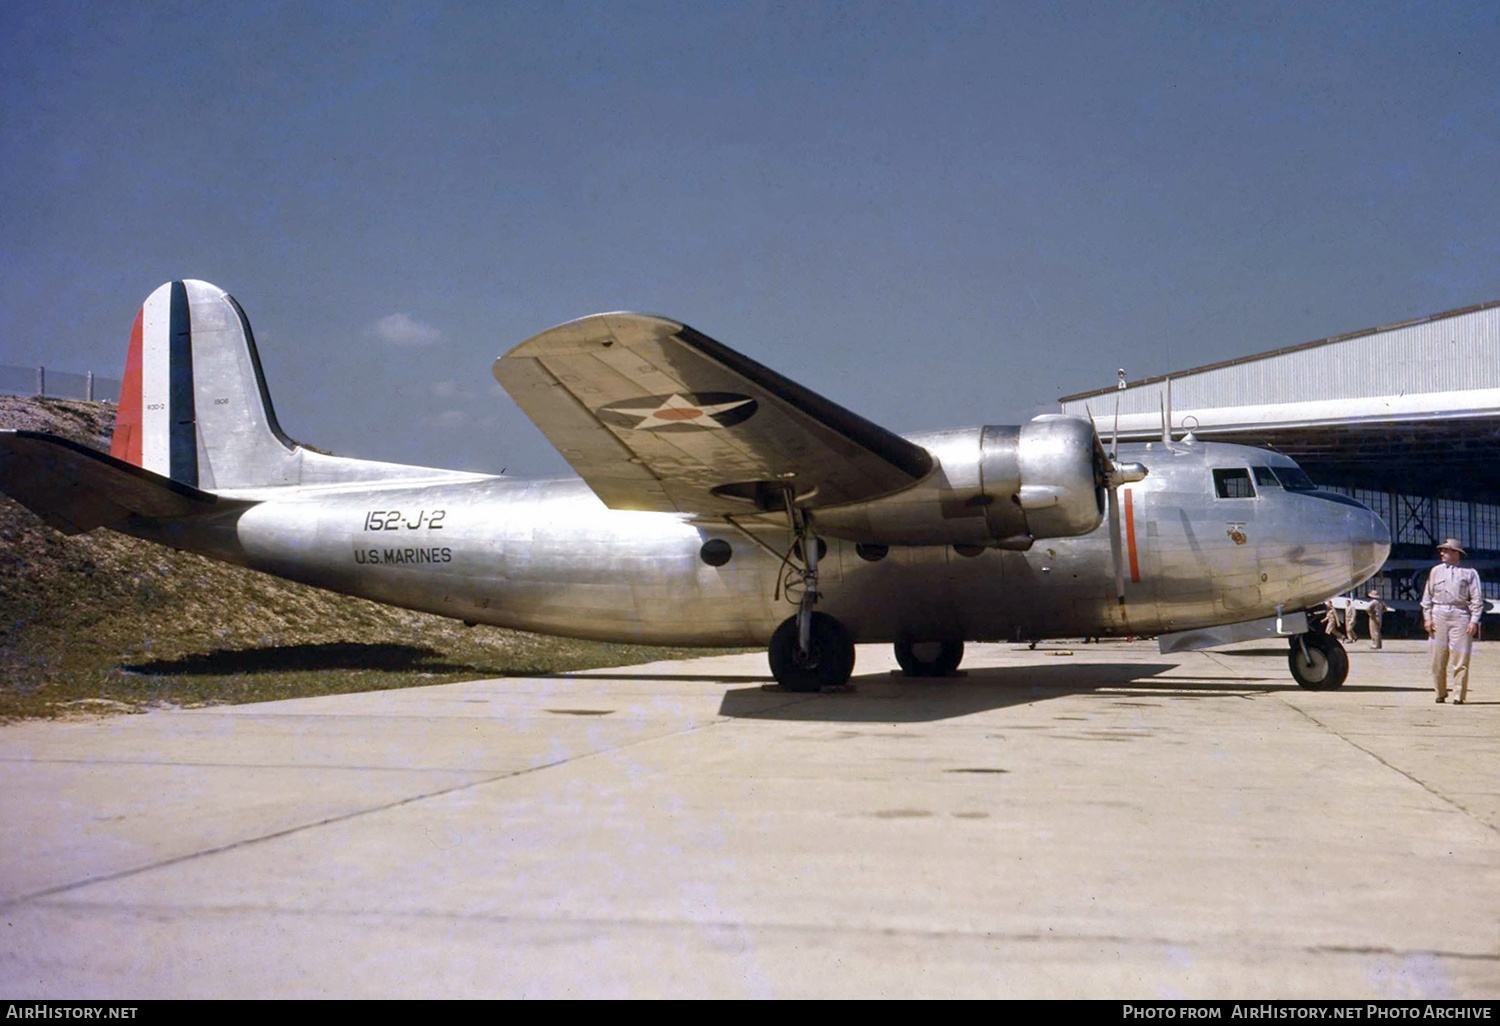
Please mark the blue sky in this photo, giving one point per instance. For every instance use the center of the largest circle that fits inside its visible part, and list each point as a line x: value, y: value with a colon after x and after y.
x: 935, y: 214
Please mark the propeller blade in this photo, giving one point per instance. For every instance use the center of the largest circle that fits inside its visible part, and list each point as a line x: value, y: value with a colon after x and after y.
x: 1114, y: 437
x: 1114, y: 543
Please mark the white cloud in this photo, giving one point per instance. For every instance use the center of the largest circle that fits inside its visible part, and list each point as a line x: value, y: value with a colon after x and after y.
x: 401, y: 329
x: 450, y: 390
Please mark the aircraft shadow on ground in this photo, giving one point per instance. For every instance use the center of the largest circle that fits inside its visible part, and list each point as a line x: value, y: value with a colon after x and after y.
x: 388, y: 657
x: 337, y: 655
x: 873, y: 697
x: 892, y: 698
x: 698, y: 678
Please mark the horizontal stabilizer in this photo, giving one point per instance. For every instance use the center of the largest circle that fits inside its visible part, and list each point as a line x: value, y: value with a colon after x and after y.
x: 76, y: 489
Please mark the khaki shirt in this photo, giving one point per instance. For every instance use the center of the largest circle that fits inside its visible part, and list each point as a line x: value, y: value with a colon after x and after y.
x: 1453, y: 586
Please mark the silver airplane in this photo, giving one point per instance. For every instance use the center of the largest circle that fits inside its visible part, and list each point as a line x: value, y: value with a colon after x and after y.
x: 719, y: 504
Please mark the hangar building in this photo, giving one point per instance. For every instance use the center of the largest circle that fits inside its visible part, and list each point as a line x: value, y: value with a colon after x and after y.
x: 1404, y: 418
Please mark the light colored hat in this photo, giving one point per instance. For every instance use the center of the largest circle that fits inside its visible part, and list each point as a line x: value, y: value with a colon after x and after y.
x: 1452, y: 543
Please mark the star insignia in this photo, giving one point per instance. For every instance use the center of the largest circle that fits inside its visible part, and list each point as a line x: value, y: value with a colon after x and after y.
x: 679, y: 411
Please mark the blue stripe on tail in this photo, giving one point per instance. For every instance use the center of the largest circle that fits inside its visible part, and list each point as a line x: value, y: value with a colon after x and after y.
x: 181, y: 409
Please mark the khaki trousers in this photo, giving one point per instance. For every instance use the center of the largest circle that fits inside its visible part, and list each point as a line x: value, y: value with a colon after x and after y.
x: 1450, y: 647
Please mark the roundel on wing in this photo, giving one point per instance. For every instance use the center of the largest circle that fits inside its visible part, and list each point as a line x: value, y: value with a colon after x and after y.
x: 679, y: 411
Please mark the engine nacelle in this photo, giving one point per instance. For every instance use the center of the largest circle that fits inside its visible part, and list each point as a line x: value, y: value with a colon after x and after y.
x: 1040, y: 480
x: 994, y: 486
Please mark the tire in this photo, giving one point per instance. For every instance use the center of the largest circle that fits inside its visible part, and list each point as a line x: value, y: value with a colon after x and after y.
x: 828, y: 662
x: 929, y: 658
x: 1326, y: 666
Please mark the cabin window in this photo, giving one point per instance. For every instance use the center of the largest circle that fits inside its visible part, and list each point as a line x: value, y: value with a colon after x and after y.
x: 1294, y: 479
x: 716, y: 552
x: 1264, y: 478
x: 1233, y: 484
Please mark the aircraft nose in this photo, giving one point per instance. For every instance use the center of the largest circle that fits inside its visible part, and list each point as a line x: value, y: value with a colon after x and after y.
x: 1371, y: 546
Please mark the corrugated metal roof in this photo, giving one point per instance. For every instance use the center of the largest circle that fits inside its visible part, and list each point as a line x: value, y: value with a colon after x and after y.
x: 1453, y: 351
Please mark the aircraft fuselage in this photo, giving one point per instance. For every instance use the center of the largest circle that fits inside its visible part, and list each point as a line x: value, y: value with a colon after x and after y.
x: 549, y: 556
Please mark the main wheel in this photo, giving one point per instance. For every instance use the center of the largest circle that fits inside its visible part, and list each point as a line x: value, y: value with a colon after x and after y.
x: 828, y: 661
x: 1324, y: 665
x: 929, y: 658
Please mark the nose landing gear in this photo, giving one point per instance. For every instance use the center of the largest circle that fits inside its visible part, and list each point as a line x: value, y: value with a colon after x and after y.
x: 1318, y: 661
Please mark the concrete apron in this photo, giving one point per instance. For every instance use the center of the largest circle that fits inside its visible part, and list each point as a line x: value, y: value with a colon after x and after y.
x: 1075, y: 821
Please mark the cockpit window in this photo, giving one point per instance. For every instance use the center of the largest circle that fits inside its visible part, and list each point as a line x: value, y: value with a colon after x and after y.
x: 1264, y: 478
x: 1294, y: 479
x: 1233, y: 483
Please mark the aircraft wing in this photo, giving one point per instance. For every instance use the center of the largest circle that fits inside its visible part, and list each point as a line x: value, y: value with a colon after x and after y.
x: 656, y: 416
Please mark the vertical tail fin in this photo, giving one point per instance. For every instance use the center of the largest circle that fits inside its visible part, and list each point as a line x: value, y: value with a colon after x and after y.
x: 193, y: 404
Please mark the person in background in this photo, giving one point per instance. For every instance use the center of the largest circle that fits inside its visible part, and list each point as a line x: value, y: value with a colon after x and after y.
x: 1376, y: 614
x: 1331, y: 625
x: 1452, y: 602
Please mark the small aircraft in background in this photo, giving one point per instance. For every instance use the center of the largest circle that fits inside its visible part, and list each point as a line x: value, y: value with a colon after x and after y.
x: 719, y: 504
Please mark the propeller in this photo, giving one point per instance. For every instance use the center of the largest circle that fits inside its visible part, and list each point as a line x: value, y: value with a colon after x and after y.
x: 1111, y: 474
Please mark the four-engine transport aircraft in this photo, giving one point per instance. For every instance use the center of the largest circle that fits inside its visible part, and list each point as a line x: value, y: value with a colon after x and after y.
x: 720, y: 504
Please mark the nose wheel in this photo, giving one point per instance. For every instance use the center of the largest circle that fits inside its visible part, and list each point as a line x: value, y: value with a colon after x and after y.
x: 1318, y: 661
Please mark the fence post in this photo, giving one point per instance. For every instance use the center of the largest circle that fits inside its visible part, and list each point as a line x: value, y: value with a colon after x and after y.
x: 41, y: 381
x: 89, y: 386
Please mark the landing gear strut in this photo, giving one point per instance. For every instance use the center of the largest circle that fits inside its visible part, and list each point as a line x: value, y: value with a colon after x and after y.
x: 929, y: 658
x: 810, y: 650
x: 1318, y: 661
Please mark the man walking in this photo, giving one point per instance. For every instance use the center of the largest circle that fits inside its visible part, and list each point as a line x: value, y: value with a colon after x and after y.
x: 1451, y: 604
x: 1332, y: 625
x: 1376, y: 613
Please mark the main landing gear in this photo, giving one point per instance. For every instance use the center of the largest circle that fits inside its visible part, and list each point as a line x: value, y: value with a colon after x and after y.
x: 825, y: 661
x: 929, y: 658
x: 810, y: 651
x: 1318, y: 661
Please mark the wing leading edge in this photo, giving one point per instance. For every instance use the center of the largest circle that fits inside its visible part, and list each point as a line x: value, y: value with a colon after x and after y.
x: 654, y: 415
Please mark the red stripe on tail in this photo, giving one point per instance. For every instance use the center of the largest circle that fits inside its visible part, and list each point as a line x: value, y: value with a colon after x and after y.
x: 125, y: 443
